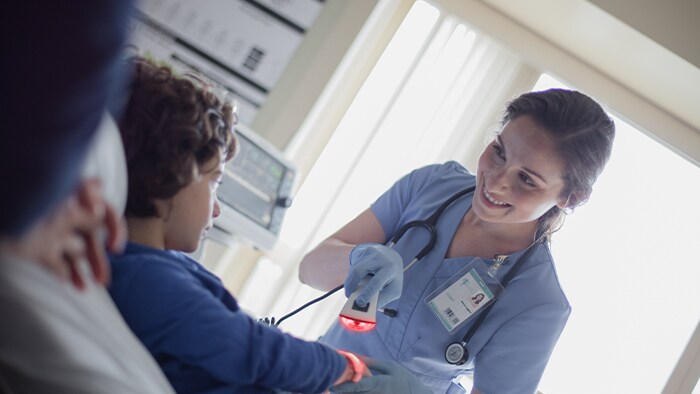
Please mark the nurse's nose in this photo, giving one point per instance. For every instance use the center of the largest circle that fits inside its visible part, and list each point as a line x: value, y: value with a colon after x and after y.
x: 217, y: 208
x: 499, y: 180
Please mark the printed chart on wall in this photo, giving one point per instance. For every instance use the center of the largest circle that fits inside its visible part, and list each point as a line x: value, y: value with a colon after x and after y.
x: 241, y: 45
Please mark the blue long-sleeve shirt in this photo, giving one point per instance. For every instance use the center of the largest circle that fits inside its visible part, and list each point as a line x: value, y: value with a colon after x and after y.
x: 204, y: 343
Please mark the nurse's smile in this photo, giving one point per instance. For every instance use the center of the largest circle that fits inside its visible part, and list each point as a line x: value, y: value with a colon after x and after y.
x: 492, y: 201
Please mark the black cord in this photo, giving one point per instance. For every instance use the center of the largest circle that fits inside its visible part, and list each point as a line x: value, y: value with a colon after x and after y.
x: 272, y: 322
x: 275, y: 323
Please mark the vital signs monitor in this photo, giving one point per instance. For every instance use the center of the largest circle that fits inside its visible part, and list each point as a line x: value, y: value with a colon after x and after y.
x: 255, y: 190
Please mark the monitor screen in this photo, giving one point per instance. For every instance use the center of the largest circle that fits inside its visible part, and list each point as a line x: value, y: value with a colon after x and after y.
x: 256, y: 180
x: 255, y: 190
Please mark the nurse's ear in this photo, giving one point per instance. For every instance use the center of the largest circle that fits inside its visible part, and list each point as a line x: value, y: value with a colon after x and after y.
x: 563, y: 203
x: 571, y: 201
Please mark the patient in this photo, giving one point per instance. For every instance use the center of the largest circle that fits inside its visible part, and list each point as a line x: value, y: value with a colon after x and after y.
x: 178, y: 137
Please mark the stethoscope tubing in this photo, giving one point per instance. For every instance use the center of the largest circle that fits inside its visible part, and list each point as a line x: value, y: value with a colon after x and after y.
x: 483, y: 314
x: 427, y: 224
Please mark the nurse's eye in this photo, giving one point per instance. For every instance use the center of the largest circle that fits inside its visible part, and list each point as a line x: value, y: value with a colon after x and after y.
x: 499, y: 152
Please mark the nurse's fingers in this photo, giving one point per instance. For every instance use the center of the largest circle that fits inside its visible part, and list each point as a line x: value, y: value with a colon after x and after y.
x: 374, y: 384
x: 374, y: 286
x: 379, y: 366
x: 352, y: 281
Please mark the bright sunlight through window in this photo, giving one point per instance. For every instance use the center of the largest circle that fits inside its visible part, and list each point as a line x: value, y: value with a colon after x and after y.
x: 628, y: 262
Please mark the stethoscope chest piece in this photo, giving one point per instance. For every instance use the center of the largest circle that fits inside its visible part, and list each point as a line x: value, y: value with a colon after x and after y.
x: 456, y: 353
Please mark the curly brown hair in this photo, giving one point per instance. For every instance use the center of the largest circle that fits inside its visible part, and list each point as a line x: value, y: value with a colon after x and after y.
x: 170, y: 123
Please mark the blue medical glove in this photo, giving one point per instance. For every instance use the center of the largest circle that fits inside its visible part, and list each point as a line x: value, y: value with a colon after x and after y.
x: 387, y: 267
x: 387, y: 377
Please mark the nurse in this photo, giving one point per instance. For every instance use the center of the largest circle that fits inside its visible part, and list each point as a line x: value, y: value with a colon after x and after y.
x: 542, y: 163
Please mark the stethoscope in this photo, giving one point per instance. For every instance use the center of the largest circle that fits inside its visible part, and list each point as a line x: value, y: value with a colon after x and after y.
x: 456, y: 353
x: 428, y: 224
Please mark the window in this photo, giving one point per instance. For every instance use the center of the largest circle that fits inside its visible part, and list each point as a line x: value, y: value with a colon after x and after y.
x: 628, y: 263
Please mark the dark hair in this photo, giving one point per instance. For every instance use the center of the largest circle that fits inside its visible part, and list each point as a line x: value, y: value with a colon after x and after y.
x: 583, y: 134
x: 171, y: 123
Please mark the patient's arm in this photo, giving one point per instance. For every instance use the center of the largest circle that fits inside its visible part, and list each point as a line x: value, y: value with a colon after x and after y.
x: 72, y: 232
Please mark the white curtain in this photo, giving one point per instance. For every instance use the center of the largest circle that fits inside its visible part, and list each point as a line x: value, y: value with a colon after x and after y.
x: 435, y: 94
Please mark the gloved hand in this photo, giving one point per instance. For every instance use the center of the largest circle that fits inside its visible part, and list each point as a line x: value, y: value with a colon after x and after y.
x: 387, y: 267
x: 387, y: 377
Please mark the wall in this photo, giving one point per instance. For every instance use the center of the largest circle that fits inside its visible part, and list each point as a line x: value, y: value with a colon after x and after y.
x: 671, y: 23
x: 641, y: 81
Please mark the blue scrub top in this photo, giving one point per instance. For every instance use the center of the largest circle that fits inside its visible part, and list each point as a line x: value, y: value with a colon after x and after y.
x: 509, y: 351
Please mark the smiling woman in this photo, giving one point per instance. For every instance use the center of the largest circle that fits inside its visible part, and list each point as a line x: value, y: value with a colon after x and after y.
x: 523, y: 182
x: 517, y: 186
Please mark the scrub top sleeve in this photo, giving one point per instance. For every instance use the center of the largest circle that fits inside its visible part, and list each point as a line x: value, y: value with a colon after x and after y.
x: 185, y: 320
x: 514, y: 359
x: 389, y: 207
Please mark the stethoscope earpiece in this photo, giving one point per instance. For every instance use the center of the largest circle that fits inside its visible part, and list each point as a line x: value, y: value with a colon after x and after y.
x: 456, y: 353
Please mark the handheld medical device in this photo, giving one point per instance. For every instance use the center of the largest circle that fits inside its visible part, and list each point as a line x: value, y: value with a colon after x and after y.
x: 359, y: 318
x: 364, y: 322
x: 353, y: 317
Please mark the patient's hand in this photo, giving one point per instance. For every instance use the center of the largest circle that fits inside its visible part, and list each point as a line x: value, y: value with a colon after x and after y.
x: 72, y: 232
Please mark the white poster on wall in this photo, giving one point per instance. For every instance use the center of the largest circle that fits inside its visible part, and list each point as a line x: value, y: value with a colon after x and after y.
x: 242, y: 45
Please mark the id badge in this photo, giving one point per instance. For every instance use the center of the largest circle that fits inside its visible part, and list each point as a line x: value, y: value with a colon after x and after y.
x: 459, y: 299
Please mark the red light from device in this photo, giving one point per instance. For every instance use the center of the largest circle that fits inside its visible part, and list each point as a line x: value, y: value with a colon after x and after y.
x: 356, y: 325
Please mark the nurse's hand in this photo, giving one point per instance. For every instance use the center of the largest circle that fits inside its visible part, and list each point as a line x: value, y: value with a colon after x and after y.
x: 387, y: 377
x: 387, y: 267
